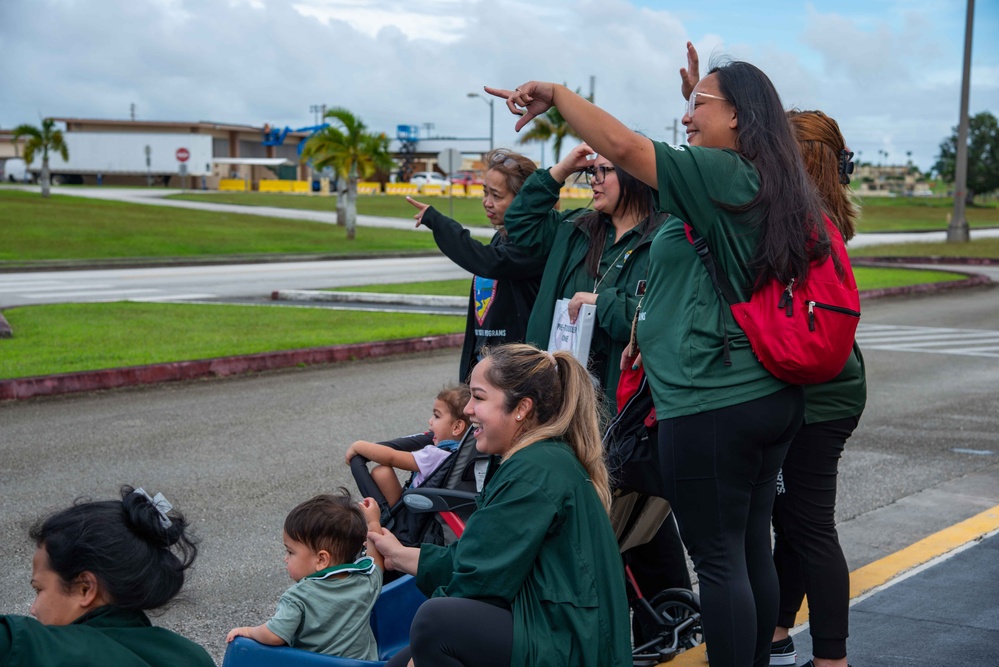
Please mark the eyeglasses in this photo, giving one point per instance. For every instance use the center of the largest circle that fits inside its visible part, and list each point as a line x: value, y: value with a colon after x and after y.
x: 693, y: 96
x: 505, y: 159
x: 597, y: 174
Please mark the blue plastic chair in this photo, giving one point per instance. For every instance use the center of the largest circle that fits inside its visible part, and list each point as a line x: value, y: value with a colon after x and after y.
x: 390, y: 621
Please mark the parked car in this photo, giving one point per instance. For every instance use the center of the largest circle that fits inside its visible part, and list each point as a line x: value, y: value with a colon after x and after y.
x: 466, y: 178
x: 422, y: 178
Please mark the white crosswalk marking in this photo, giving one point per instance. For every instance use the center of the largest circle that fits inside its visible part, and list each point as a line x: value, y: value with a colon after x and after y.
x: 933, y: 340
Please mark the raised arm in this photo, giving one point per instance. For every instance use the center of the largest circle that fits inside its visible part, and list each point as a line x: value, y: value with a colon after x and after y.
x: 386, y: 456
x: 606, y: 134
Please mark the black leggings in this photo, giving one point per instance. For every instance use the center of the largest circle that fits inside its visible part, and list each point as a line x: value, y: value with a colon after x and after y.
x: 807, y: 554
x: 720, y: 474
x: 456, y: 632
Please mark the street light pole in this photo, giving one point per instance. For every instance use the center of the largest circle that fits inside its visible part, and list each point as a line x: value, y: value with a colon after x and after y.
x: 488, y: 101
x: 957, y: 231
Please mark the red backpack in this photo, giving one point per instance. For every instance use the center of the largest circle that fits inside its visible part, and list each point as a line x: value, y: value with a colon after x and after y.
x: 801, y: 333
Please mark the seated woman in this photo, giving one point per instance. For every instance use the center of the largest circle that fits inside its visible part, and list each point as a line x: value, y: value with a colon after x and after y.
x: 98, y: 566
x: 598, y: 257
x: 536, y: 578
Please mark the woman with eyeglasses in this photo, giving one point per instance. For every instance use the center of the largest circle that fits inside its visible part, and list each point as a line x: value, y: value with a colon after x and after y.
x: 505, y: 278
x: 598, y: 257
x: 724, y: 428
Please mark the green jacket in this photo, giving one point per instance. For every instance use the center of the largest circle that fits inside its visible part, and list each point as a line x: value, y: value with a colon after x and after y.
x: 532, y: 224
x: 105, y: 636
x: 681, y: 326
x: 541, y: 544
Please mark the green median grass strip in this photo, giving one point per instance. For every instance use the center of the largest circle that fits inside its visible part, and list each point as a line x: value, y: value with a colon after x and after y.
x: 80, y: 337
x: 467, y: 210
x: 65, y: 227
x: 434, y: 287
x: 881, y: 278
x: 867, y: 278
x: 985, y: 247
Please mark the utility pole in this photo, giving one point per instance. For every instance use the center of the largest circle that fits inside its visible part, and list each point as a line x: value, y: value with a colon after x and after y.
x: 316, y: 110
x: 132, y: 110
x: 593, y: 88
x: 957, y: 230
x: 675, y: 130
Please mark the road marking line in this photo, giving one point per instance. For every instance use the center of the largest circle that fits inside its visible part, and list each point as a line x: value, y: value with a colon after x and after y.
x: 893, y: 568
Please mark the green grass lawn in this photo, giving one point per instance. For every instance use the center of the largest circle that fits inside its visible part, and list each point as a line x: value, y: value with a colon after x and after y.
x: 78, y: 337
x: 909, y: 214
x: 63, y: 227
x: 458, y: 287
x: 867, y: 278
x: 879, y: 214
x: 468, y: 210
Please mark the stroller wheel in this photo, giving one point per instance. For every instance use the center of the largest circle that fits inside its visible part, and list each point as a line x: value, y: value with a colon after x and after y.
x: 676, y: 605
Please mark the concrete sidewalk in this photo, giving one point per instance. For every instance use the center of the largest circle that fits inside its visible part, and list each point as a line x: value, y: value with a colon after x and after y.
x: 935, y: 599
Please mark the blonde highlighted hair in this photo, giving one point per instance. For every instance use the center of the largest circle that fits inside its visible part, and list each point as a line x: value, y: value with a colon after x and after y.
x: 565, y: 403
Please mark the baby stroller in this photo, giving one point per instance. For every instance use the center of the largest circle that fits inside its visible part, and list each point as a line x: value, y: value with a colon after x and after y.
x: 464, y: 470
x: 668, y: 621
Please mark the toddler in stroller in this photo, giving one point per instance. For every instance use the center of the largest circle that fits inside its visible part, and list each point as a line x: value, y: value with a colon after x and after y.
x: 443, y: 457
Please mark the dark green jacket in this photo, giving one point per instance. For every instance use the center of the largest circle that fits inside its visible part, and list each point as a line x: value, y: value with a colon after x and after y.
x: 533, y: 225
x: 105, y: 636
x: 540, y: 544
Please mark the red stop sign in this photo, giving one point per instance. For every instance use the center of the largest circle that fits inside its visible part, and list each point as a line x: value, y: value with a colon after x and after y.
x: 183, y: 154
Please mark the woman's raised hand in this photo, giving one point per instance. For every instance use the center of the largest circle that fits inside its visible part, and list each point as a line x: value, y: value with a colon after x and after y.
x: 576, y: 160
x: 528, y: 101
x: 691, y: 74
x: 421, y: 207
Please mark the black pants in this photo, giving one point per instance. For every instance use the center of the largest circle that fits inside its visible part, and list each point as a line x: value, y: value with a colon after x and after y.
x: 456, y: 632
x: 807, y: 554
x: 720, y: 475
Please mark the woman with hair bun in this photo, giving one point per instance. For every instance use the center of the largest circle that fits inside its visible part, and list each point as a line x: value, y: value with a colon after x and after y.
x: 536, y: 577
x: 98, y: 566
x: 505, y: 278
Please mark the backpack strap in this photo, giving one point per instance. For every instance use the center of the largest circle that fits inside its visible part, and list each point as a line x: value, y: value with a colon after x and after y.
x: 720, y: 281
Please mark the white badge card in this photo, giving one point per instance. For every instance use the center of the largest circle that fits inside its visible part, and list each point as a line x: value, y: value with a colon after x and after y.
x: 574, y: 337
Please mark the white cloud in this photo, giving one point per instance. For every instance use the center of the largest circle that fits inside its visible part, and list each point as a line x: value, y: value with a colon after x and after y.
x: 890, y: 76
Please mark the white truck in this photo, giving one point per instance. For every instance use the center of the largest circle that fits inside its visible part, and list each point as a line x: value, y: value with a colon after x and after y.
x: 135, y: 153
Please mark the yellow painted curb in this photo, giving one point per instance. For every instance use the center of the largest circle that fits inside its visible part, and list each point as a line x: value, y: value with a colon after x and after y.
x: 884, y: 570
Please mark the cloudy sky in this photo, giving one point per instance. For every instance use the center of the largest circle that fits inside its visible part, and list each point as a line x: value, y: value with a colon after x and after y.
x: 888, y: 70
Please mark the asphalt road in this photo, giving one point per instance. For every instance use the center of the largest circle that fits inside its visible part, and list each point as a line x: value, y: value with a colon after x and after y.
x: 237, y: 454
x: 199, y: 283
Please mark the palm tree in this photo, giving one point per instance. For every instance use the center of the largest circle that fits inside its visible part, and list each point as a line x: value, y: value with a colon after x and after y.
x: 353, y: 153
x: 551, y: 126
x: 43, y: 139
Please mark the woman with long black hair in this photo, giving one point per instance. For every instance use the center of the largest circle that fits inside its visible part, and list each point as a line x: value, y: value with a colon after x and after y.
x: 724, y: 428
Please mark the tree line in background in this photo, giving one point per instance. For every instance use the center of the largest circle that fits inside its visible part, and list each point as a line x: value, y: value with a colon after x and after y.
x: 983, y: 156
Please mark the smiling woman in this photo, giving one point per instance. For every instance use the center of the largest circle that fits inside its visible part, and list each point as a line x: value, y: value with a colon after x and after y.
x: 536, y: 577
